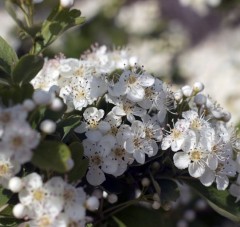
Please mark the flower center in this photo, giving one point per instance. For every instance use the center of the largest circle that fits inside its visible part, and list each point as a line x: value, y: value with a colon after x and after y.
x: 38, y: 195
x: 196, y: 155
x: 148, y: 133
x: 68, y: 195
x: 79, y: 72
x: 44, y: 221
x: 132, y: 79
x: 119, y: 152
x: 148, y: 92
x: 96, y: 160
x: 196, y: 124
x: 17, y: 141
x: 4, y: 169
x: 176, y: 133
x: 5, y: 117
x: 93, y: 123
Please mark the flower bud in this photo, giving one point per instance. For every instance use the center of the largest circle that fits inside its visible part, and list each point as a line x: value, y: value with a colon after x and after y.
x: 67, y: 3
x: 145, y: 182
x: 15, y: 184
x: 200, y: 99
x: 187, y: 91
x: 178, y: 95
x: 112, y: 198
x: 41, y: 97
x: 19, y: 211
x: 28, y: 105
x: 156, y: 205
x: 198, y: 87
x: 92, y: 203
x: 48, y: 126
x: 56, y: 104
x: 189, y: 215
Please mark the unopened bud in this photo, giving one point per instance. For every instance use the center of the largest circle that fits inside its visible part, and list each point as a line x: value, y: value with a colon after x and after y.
x: 198, y: 87
x: 112, y: 198
x: 19, y: 211
x: 48, y: 126
x: 156, y: 205
x: 145, y: 182
x: 15, y: 184
x: 92, y: 203
x: 187, y: 91
x: 178, y: 95
x: 200, y: 99
x: 67, y: 3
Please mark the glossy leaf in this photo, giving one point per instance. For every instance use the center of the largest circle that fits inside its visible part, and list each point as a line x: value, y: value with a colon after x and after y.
x: 67, y: 125
x: 8, y: 58
x: 80, y: 165
x: 140, y: 217
x: 52, y: 155
x: 27, y: 68
x: 5, y: 195
x: 221, y: 201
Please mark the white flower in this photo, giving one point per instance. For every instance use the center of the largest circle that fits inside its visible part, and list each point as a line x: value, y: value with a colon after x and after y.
x: 177, y: 136
x: 132, y: 85
x: 8, y: 168
x: 193, y: 159
x: 123, y: 158
x: 20, y: 140
x: 98, y: 163
x: 224, y: 170
x: 135, y: 142
x: 125, y: 107
x: 74, y: 199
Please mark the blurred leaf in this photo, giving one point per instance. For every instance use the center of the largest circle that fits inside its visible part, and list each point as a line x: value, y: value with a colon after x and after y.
x: 8, y: 58
x: 119, y: 223
x: 169, y: 190
x: 16, y: 94
x: 221, y: 201
x: 60, y: 20
x: 80, y: 165
x: 140, y: 217
x: 27, y: 68
x: 52, y: 155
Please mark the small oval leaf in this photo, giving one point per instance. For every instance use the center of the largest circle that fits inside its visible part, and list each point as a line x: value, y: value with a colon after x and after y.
x: 52, y: 155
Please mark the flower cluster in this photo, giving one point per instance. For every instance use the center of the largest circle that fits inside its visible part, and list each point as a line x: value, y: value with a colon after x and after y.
x: 53, y: 203
x: 17, y: 139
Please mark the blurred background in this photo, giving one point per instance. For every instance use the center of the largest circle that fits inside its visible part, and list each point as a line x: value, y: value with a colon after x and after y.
x: 180, y: 41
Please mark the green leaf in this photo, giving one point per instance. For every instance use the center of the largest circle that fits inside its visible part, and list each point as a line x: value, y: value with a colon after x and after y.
x: 119, y: 223
x: 60, y: 20
x: 140, y: 217
x: 27, y: 68
x: 5, y: 195
x: 221, y: 201
x: 80, y: 165
x: 15, y: 94
x: 8, y: 58
x: 52, y: 155
x: 68, y: 124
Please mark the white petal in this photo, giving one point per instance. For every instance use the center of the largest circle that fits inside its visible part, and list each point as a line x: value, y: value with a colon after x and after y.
x: 212, y: 161
x: 109, y: 165
x: 208, y: 177
x: 139, y: 157
x: 181, y: 160
x: 146, y: 80
x: 95, y: 176
x: 94, y: 135
x: 222, y: 182
x: 166, y: 142
x: 196, y: 169
x: 136, y: 94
